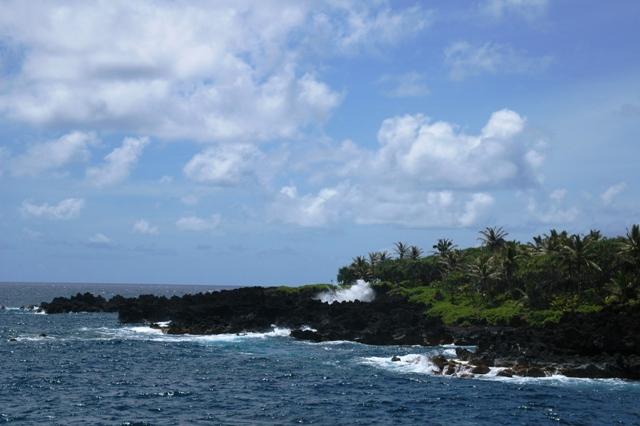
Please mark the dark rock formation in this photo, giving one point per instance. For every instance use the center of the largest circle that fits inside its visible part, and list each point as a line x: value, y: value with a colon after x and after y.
x: 385, y: 321
x: 86, y: 302
x: 596, y: 345
x: 602, y: 344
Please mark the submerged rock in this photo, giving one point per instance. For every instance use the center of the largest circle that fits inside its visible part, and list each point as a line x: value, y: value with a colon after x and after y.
x: 480, y: 369
x: 440, y: 362
x: 505, y: 373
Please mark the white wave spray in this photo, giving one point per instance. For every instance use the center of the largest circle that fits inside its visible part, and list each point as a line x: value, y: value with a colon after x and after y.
x: 361, y: 291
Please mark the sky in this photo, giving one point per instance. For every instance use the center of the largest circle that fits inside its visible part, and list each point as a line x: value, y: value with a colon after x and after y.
x: 270, y: 142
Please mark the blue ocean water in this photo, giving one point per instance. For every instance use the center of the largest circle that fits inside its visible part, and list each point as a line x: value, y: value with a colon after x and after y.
x: 91, y: 369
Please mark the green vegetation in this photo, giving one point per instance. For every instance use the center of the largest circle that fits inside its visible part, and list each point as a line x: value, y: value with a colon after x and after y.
x: 508, y: 282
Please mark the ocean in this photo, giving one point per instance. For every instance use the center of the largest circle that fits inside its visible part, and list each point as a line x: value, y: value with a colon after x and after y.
x: 89, y: 369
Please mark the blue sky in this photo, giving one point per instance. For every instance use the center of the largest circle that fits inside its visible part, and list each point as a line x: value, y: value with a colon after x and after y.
x: 270, y: 142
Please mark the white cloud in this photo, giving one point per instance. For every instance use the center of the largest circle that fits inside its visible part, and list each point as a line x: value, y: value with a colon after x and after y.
x: 423, y: 173
x: 190, y: 200
x: 558, y: 195
x: 209, y: 70
x: 465, y: 59
x: 100, y: 239
x: 223, y: 164
x: 437, y: 155
x: 379, y: 205
x: 66, y: 209
x: 195, y: 223
x: 411, y: 84
x: 145, y: 228
x: 422, y: 209
x: 612, y: 192
x: 53, y: 155
x: 351, y: 26
x: 474, y: 208
x: 528, y: 9
x: 309, y: 210
x: 554, y: 210
x: 118, y: 163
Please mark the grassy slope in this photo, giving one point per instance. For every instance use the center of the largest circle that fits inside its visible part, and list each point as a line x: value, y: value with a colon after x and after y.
x: 468, y: 309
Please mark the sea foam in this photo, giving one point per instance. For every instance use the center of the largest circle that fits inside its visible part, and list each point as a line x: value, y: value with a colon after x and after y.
x: 156, y: 335
x: 422, y: 364
x: 361, y: 291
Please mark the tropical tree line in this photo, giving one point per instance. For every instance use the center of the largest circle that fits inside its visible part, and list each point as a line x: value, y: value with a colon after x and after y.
x: 586, y: 267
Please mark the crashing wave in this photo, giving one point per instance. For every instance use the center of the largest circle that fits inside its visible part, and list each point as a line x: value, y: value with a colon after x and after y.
x: 153, y: 334
x: 424, y: 364
x: 361, y: 291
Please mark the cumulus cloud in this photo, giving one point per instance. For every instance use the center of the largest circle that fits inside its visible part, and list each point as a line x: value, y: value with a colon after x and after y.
x: 145, y: 228
x: 422, y: 209
x: 66, y: 209
x: 53, y: 155
x: 351, y: 26
x: 437, y: 155
x: 423, y: 173
x: 554, y: 210
x: 100, y: 238
x: 119, y: 163
x: 309, y: 210
x: 210, y: 70
x: 528, y: 9
x: 465, y: 59
x: 223, y: 165
x: 379, y: 205
x: 411, y: 84
x: 195, y: 223
x: 609, y: 195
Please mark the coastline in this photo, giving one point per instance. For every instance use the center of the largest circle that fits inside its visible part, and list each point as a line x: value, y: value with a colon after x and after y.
x: 587, y: 345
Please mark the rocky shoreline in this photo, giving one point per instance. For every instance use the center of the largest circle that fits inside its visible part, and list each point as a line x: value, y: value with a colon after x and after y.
x: 605, y: 344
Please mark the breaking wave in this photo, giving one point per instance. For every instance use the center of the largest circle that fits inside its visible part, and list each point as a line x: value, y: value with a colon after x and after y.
x: 422, y: 364
x: 361, y: 291
x: 149, y: 334
x: 156, y: 335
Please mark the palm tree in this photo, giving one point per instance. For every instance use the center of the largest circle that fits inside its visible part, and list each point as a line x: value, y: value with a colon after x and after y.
x: 493, y: 237
x: 482, y: 273
x: 415, y: 252
x: 401, y: 249
x: 508, y: 261
x: 443, y: 246
x: 361, y: 267
x: 623, y: 287
x: 556, y: 240
x: 594, y: 235
x: 576, y: 256
x: 450, y: 261
x: 548, y: 243
x: 374, y: 259
x: 630, y: 247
